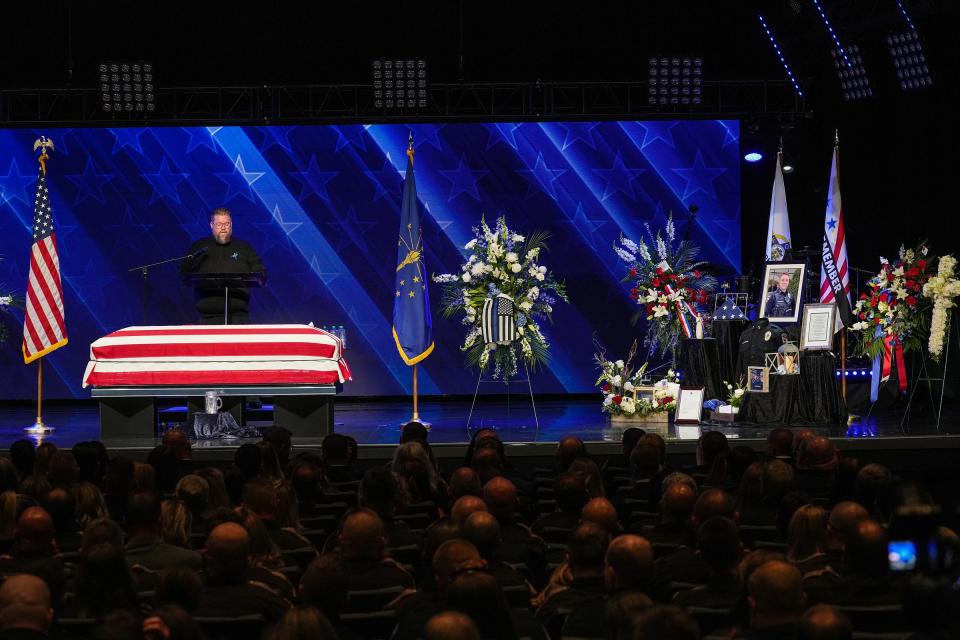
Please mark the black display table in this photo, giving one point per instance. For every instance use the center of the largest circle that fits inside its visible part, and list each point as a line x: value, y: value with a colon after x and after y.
x: 809, y: 399
x: 699, y: 360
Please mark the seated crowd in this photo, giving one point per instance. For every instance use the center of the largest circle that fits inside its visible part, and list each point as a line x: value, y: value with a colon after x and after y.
x: 290, y: 545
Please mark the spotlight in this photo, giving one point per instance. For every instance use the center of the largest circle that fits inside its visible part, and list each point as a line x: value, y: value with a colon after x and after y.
x: 674, y: 80
x: 909, y: 61
x: 399, y: 84
x: 787, y: 167
x: 127, y: 87
x: 753, y: 156
x: 854, y: 83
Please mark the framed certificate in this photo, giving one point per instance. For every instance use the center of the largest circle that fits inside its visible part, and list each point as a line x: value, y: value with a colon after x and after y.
x: 758, y: 380
x: 782, y: 289
x: 817, y: 328
x: 689, y: 405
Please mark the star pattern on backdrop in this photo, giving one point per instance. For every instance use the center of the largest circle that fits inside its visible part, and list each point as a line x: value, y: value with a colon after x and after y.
x: 502, y: 132
x: 128, y: 233
x: 239, y: 181
x: 578, y: 131
x: 463, y: 179
x: 127, y: 138
x: 326, y: 273
x: 427, y: 134
x: 276, y: 136
x: 655, y: 130
x: 386, y: 181
x: 349, y: 226
x: 201, y: 137
x: 347, y: 136
x: 165, y: 183
x: 314, y: 181
x: 16, y: 185
x: 699, y: 177
x: 89, y: 183
x: 586, y: 226
x: 619, y: 178
x: 269, y: 238
x: 541, y: 177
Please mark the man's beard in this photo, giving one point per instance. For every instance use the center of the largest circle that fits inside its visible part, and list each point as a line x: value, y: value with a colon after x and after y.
x: 223, y: 240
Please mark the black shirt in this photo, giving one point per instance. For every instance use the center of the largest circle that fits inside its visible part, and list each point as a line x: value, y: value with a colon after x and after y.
x: 237, y: 256
x: 757, y: 340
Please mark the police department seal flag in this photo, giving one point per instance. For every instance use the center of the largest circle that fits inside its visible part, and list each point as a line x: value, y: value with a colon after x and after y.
x: 412, y: 323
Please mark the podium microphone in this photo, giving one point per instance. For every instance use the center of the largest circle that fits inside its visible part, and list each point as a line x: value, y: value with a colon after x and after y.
x: 199, y: 252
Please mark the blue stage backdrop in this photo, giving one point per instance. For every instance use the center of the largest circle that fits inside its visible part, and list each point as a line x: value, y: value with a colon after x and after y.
x: 321, y: 204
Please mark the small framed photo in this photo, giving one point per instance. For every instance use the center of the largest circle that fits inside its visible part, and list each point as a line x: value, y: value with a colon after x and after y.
x: 689, y: 406
x: 782, y: 290
x: 818, y: 326
x: 643, y: 393
x: 758, y: 380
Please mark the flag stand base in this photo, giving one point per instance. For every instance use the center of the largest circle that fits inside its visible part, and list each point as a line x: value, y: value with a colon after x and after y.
x: 38, y: 427
x: 426, y: 425
x: 533, y: 403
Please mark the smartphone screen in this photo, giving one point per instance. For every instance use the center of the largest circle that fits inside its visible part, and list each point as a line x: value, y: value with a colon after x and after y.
x: 902, y: 555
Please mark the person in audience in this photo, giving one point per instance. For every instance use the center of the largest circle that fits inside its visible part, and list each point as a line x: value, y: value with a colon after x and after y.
x: 176, y: 439
x: 463, y: 482
x: 628, y: 565
x: 337, y: 459
x: 719, y: 546
x: 103, y: 531
x: 281, y: 439
x: 145, y: 547
x: 170, y: 622
x: 865, y: 575
x: 872, y: 483
x: 586, y: 554
x: 26, y: 611
x: 571, y: 496
x: 844, y: 517
x: 780, y: 445
x: 194, y: 491
x: 776, y: 601
x: 788, y: 506
x: 483, y: 530
x: 817, y: 467
x: 684, y: 565
x: 712, y: 448
x: 601, y: 512
x: 487, y: 463
x: 266, y: 561
x: 91, y: 504
x: 823, y: 622
x: 463, y: 507
x: 676, y: 507
x: 34, y: 488
x: 569, y: 448
x: 227, y: 591
x: 35, y: 551
x: 144, y: 478
x: 659, y: 622
x: 807, y: 539
x: 325, y: 585
x: 476, y: 593
x: 592, y: 478
x: 381, y: 492
x: 760, y: 497
x: 260, y: 497
x: 117, y: 485
x: 104, y: 583
x: 412, y: 463
x: 519, y: 544
x: 288, y: 507
x: 176, y: 524
x: 246, y: 467
x: 450, y: 625
x: 738, y: 460
x: 628, y: 441
x: 64, y: 472
x: 800, y: 438
x: 306, y: 479
x: 216, y: 481
x: 180, y: 587
x: 362, y: 544
x: 302, y: 623
x: 167, y: 468
x: 61, y: 504
x: 24, y: 457
x: 44, y: 453
x: 271, y: 471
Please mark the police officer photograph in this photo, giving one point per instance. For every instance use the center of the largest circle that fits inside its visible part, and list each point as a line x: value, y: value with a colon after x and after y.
x: 781, y: 296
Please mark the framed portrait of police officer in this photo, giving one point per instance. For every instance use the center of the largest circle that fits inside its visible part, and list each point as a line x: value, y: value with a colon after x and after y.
x: 782, y: 290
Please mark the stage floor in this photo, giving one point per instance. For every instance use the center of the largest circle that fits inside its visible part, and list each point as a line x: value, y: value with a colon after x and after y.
x: 378, y: 422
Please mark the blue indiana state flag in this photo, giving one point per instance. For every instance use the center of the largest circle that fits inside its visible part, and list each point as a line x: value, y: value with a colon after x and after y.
x: 729, y: 311
x: 412, y: 324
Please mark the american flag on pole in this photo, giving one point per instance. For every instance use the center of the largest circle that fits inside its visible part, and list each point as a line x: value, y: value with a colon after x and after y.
x: 44, y: 329
x: 834, y: 273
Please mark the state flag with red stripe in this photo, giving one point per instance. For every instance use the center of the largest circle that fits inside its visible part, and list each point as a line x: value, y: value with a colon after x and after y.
x: 835, y: 272
x: 44, y: 328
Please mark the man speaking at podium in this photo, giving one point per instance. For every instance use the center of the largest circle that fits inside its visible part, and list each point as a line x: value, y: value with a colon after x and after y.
x: 222, y: 253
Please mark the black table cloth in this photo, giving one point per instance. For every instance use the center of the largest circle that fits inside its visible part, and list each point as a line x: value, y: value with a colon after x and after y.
x: 808, y: 399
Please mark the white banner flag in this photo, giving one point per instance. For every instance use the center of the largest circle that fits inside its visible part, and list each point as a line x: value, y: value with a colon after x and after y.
x: 778, y: 231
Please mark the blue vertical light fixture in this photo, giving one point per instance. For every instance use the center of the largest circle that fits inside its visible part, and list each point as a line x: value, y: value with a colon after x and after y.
x: 780, y: 56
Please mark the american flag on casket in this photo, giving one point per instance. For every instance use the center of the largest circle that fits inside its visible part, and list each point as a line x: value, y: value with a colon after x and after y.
x: 252, y: 354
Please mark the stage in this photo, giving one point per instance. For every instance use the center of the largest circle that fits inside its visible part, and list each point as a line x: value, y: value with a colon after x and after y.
x: 376, y: 423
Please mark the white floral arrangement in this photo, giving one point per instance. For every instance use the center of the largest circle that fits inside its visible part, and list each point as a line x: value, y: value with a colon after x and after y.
x: 735, y: 392
x: 942, y: 288
x: 619, y: 379
x: 7, y: 302
x: 501, y: 261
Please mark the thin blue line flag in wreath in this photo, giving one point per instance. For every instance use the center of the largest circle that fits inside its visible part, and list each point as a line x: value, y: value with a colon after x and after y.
x: 412, y: 323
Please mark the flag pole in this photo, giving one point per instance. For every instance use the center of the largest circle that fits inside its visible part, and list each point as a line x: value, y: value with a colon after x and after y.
x: 416, y: 413
x: 843, y: 332
x: 39, y: 427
